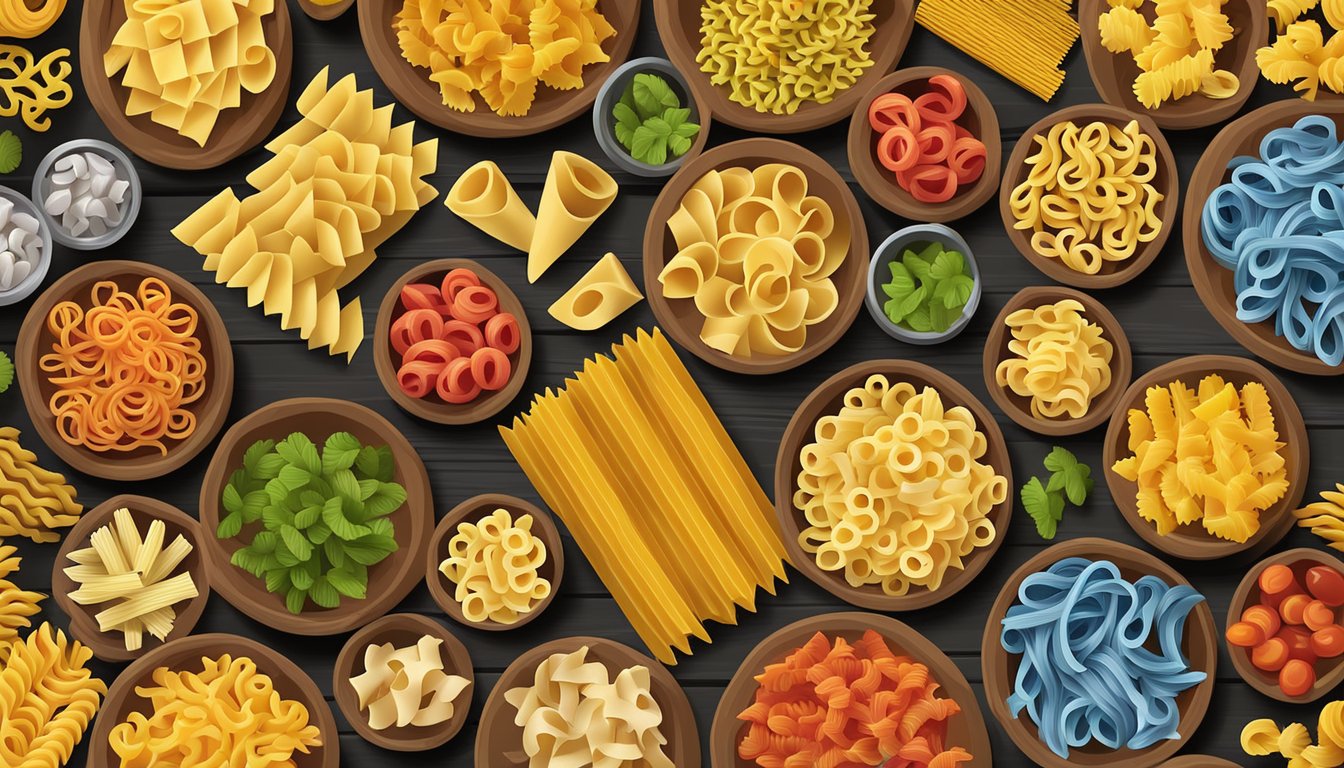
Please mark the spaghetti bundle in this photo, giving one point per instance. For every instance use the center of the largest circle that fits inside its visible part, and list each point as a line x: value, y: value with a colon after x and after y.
x: 991, y: 32
x: 125, y: 369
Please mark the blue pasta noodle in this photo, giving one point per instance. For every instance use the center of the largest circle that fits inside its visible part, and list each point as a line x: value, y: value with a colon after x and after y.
x: 1278, y: 224
x: 1085, y: 674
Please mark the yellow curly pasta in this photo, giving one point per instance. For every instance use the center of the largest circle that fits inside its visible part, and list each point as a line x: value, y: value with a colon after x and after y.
x: 19, y: 18
x: 1325, y: 518
x: 47, y: 699
x: 1284, y: 12
x: 1125, y: 29
x: 1293, y: 742
x: 1302, y: 54
x: 1059, y: 360
x: 31, y: 87
x: 495, y: 563
x: 16, y: 605
x: 34, y: 502
x: 1174, y: 51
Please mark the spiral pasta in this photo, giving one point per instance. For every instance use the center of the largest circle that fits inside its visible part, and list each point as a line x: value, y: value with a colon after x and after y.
x: 19, y: 19
x: 31, y: 86
x: 48, y: 696
x: 1302, y: 54
x: 1175, y: 52
x: 1058, y: 359
x: 16, y: 605
x: 1293, y: 741
x: 34, y: 502
x: 1088, y: 197
x: 893, y: 489
x: 495, y: 563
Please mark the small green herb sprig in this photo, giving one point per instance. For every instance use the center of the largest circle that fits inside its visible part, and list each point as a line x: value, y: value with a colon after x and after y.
x: 11, y: 152
x: 6, y: 372
x: 1069, y: 479
x: 651, y: 123
x: 324, y: 516
x: 929, y: 289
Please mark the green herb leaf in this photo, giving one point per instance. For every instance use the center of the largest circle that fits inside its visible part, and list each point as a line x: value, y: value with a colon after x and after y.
x: 232, y: 501
x: 892, y: 308
x: 902, y: 283
x: 916, y: 265
x: 955, y: 291
x: 914, y: 301
x: 277, y: 580
x: 295, y: 542
x: 919, y: 320
x: 930, y: 251
x: 323, y: 594
x: 336, y: 520
x: 305, y: 518
x: 7, y: 372
x: 940, y: 317
x: 230, y: 525
x: 370, y: 550
x: 948, y: 264
x: 1077, y: 486
x: 347, y: 584
x: 334, y: 549
x: 1039, y: 505
x: 299, y: 451
x: 301, y: 578
x: 1060, y: 459
x: 687, y: 131
x: 295, y: 599
x: 652, y: 95
x: 678, y: 145
x: 11, y: 152
x: 675, y: 117
x: 627, y: 121
x: 265, y: 542
x: 294, y: 477
x: 344, y: 484
x: 387, y: 499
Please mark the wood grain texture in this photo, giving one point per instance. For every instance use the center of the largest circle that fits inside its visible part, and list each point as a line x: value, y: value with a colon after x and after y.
x: 1160, y: 312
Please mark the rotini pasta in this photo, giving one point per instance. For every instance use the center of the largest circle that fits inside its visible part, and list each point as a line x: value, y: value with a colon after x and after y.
x: 31, y: 87
x: 18, y: 18
x: 988, y: 31
x: 1293, y: 742
x: 1060, y: 360
x: 48, y: 696
x: 1302, y: 54
x: 604, y: 292
x: 495, y: 563
x: 16, y: 605
x: 1325, y: 518
x: 34, y: 502
x: 407, y: 686
x: 1175, y: 52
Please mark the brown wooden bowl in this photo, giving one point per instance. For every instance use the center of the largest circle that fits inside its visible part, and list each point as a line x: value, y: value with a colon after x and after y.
x: 1167, y: 182
x: 83, y: 627
x: 679, y: 30
x: 681, y: 319
x: 1199, y: 761
x: 966, y: 730
x: 1329, y: 672
x: 826, y: 400
x: 1017, y: 407
x: 1214, y: 282
x: 389, y: 581
x: 499, y: 741
x: 412, y: 87
x: 1113, y: 74
x: 432, y: 407
x: 236, y: 131
x: 325, y: 12
x: 472, y: 510
x: 142, y: 463
x: 1200, y: 645
x: 402, y: 630
x: 1192, y: 542
x: 185, y: 655
x: 880, y: 184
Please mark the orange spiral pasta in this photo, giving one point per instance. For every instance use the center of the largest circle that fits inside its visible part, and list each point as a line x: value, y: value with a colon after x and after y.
x: 125, y: 369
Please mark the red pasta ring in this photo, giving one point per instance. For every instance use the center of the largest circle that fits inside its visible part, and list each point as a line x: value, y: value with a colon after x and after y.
x: 431, y: 351
x: 953, y: 101
x: 930, y: 183
x: 891, y: 110
x: 959, y: 131
x: 423, y: 296
x: 455, y: 281
x: 501, y: 332
x: 898, y: 149
x: 417, y: 378
x: 456, y: 384
x: 413, y: 326
x: 935, y: 142
x: 475, y: 304
x: 491, y: 368
x: 467, y: 337
x: 967, y: 160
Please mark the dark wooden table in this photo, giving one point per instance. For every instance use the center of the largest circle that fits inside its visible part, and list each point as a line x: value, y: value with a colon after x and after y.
x: 1160, y: 312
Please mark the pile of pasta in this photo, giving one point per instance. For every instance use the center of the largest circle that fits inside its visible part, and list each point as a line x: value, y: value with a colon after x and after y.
x: 574, y: 713
x: 495, y: 564
x: 407, y: 686
x: 1088, y: 197
x: 872, y: 473
x: 1058, y: 359
x: 836, y: 703
x: 186, y: 61
x: 139, y: 576
x: 1175, y: 52
x: 756, y: 253
x: 921, y: 142
x: 774, y: 57
x: 228, y: 709
x: 1293, y: 742
x: 17, y: 606
x: 1325, y: 518
x: 1083, y: 676
x: 1208, y: 456
x: 33, y: 86
x: 603, y: 293
x: 1284, y: 247
x: 634, y: 460
x: 48, y: 697
x: 453, y: 340
x: 343, y: 180
x: 34, y: 502
x: 991, y: 32
x: 1301, y: 54
x: 125, y: 369
x: 20, y: 19
x: 502, y: 49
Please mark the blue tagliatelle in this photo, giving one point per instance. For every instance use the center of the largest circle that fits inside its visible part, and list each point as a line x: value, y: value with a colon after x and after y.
x: 1087, y: 672
x: 1278, y: 224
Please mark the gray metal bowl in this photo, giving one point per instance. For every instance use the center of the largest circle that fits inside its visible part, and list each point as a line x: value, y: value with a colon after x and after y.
x: 42, y: 187
x: 604, y: 125
x: 890, y: 250
x: 21, y: 291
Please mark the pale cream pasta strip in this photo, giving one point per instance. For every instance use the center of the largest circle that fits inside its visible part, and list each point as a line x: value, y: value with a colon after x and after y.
x: 577, y: 192
x: 407, y: 686
x: 603, y: 293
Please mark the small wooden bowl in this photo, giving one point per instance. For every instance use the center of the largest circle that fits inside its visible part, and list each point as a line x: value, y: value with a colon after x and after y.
x: 432, y: 407
x: 966, y: 729
x: 325, y: 12
x: 826, y: 400
x: 402, y: 630
x: 679, y: 30
x: 1113, y: 74
x: 1192, y: 542
x: 142, y: 463
x: 880, y: 184
x: 1214, y: 282
x: 682, y: 320
x: 1200, y: 645
x: 185, y: 655
x: 1329, y: 672
x: 471, y: 511
x: 1167, y: 182
x: 1199, y: 761
x: 412, y: 87
x: 237, y: 130
x: 389, y: 581
x: 83, y: 626
x: 1017, y: 407
x: 499, y: 741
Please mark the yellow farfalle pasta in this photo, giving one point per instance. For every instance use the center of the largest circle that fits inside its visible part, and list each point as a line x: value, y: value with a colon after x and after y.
x: 48, y: 696
x: 604, y: 292
x: 31, y: 86
x: 1325, y: 518
x: 20, y: 18
x: 1293, y: 742
x: 1058, y: 359
x: 34, y: 502
x: 1088, y: 198
x: 1208, y: 456
x: 988, y: 30
x: 16, y: 605
x: 502, y: 49
x: 1175, y: 51
x: 893, y: 489
x: 495, y: 564
x: 407, y: 686
x: 227, y: 714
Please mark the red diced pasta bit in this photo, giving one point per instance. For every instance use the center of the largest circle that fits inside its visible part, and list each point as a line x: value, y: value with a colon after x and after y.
x: 422, y: 296
x: 1328, y: 642
x: 1318, y: 615
x: 1270, y: 655
x: 475, y: 304
x: 467, y: 337
x: 1245, y: 635
x: 1293, y: 607
x: 490, y: 368
x: 1299, y: 643
x: 501, y: 332
x: 1297, y: 677
x: 415, y: 325
x: 456, y: 384
x: 1326, y: 584
x: 455, y: 281
x: 417, y: 377
x: 1278, y: 581
x: 1264, y: 617
x: 431, y: 351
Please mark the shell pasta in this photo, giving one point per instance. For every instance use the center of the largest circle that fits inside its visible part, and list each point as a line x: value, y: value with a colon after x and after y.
x: 1059, y: 360
x: 495, y: 564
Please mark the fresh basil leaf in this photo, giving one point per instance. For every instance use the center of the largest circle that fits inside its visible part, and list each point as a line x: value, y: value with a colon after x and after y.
x: 652, y: 95
x: 626, y: 123
x: 916, y: 265
x: 231, y: 525
x: 295, y: 599
x: 1036, y: 501
x: 323, y: 594
x: 918, y: 319
x: 678, y: 145
x: 1060, y: 459
x: 948, y: 264
x: 347, y: 584
x: 650, y: 147
x: 232, y: 500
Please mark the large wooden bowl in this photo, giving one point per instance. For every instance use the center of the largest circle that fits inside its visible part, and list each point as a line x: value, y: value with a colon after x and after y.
x: 1199, y: 761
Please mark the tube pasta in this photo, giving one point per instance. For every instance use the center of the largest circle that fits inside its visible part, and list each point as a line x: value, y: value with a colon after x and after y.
x: 604, y: 292
x: 407, y: 686
x: 484, y: 197
x: 1058, y: 359
x: 48, y: 696
x: 18, y: 19
x: 495, y: 563
x: 34, y: 502
x: 577, y: 192
x: 30, y: 87
x: 16, y: 605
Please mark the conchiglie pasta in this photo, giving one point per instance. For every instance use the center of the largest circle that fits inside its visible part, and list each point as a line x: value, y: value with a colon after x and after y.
x: 1057, y: 358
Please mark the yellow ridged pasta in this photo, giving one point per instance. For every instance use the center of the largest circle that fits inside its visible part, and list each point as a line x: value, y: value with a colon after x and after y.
x: 1293, y: 742
x: 47, y: 699
x: 16, y: 605
x: 34, y: 502
x: 1174, y: 48
x: 495, y: 563
x: 1058, y: 359
x: 990, y: 32
x: 1325, y: 518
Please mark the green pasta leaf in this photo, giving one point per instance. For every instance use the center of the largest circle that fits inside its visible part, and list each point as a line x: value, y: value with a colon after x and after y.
x: 11, y: 153
x: 6, y: 372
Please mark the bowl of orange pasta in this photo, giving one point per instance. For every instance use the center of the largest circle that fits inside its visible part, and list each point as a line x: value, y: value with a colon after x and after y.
x: 125, y: 369
x: 892, y: 486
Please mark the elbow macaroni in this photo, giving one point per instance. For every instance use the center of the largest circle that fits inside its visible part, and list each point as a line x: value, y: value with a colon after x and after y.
x: 495, y: 563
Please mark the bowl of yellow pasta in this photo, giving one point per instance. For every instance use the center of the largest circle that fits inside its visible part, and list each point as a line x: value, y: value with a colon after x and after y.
x: 1243, y: 463
x: 915, y: 433
x: 1090, y: 229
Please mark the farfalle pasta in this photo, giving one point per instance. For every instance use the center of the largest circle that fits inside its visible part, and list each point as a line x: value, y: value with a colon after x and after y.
x: 893, y: 490
x: 17, y: 606
x: 494, y: 565
x: 604, y: 292
x: 1175, y: 52
x: 34, y: 502
x: 1293, y: 742
x: 407, y: 686
x: 1057, y: 359
x: 31, y: 86
x: 48, y: 697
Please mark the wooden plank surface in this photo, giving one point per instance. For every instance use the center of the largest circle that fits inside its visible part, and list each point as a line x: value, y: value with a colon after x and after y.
x: 1160, y: 312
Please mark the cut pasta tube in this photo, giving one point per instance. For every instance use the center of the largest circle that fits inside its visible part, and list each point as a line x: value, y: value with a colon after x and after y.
x: 577, y: 192
x: 599, y: 296
x: 484, y: 197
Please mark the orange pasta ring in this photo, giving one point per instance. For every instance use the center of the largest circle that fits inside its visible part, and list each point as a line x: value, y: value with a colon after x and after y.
x: 891, y: 110
x: 898, y: 149
x: 929, y: 183
x: 467, y: 337
x: 417, y: 377
x: 501, y: 332
x: 967, y: 160
x: 415, y: 325
x: 475, y: 304
x: 431, y: 351
x: 456, y: 384
x: 948, y: 105
x: 490, y: 368
x: 423, y: 296
x: 455, y: 281
x: 935, y: 143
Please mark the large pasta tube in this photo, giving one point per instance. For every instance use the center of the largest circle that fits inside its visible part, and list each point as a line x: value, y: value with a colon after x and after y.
x: 577, y: 192
x: 485, y: 198
x: 603, y: 293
